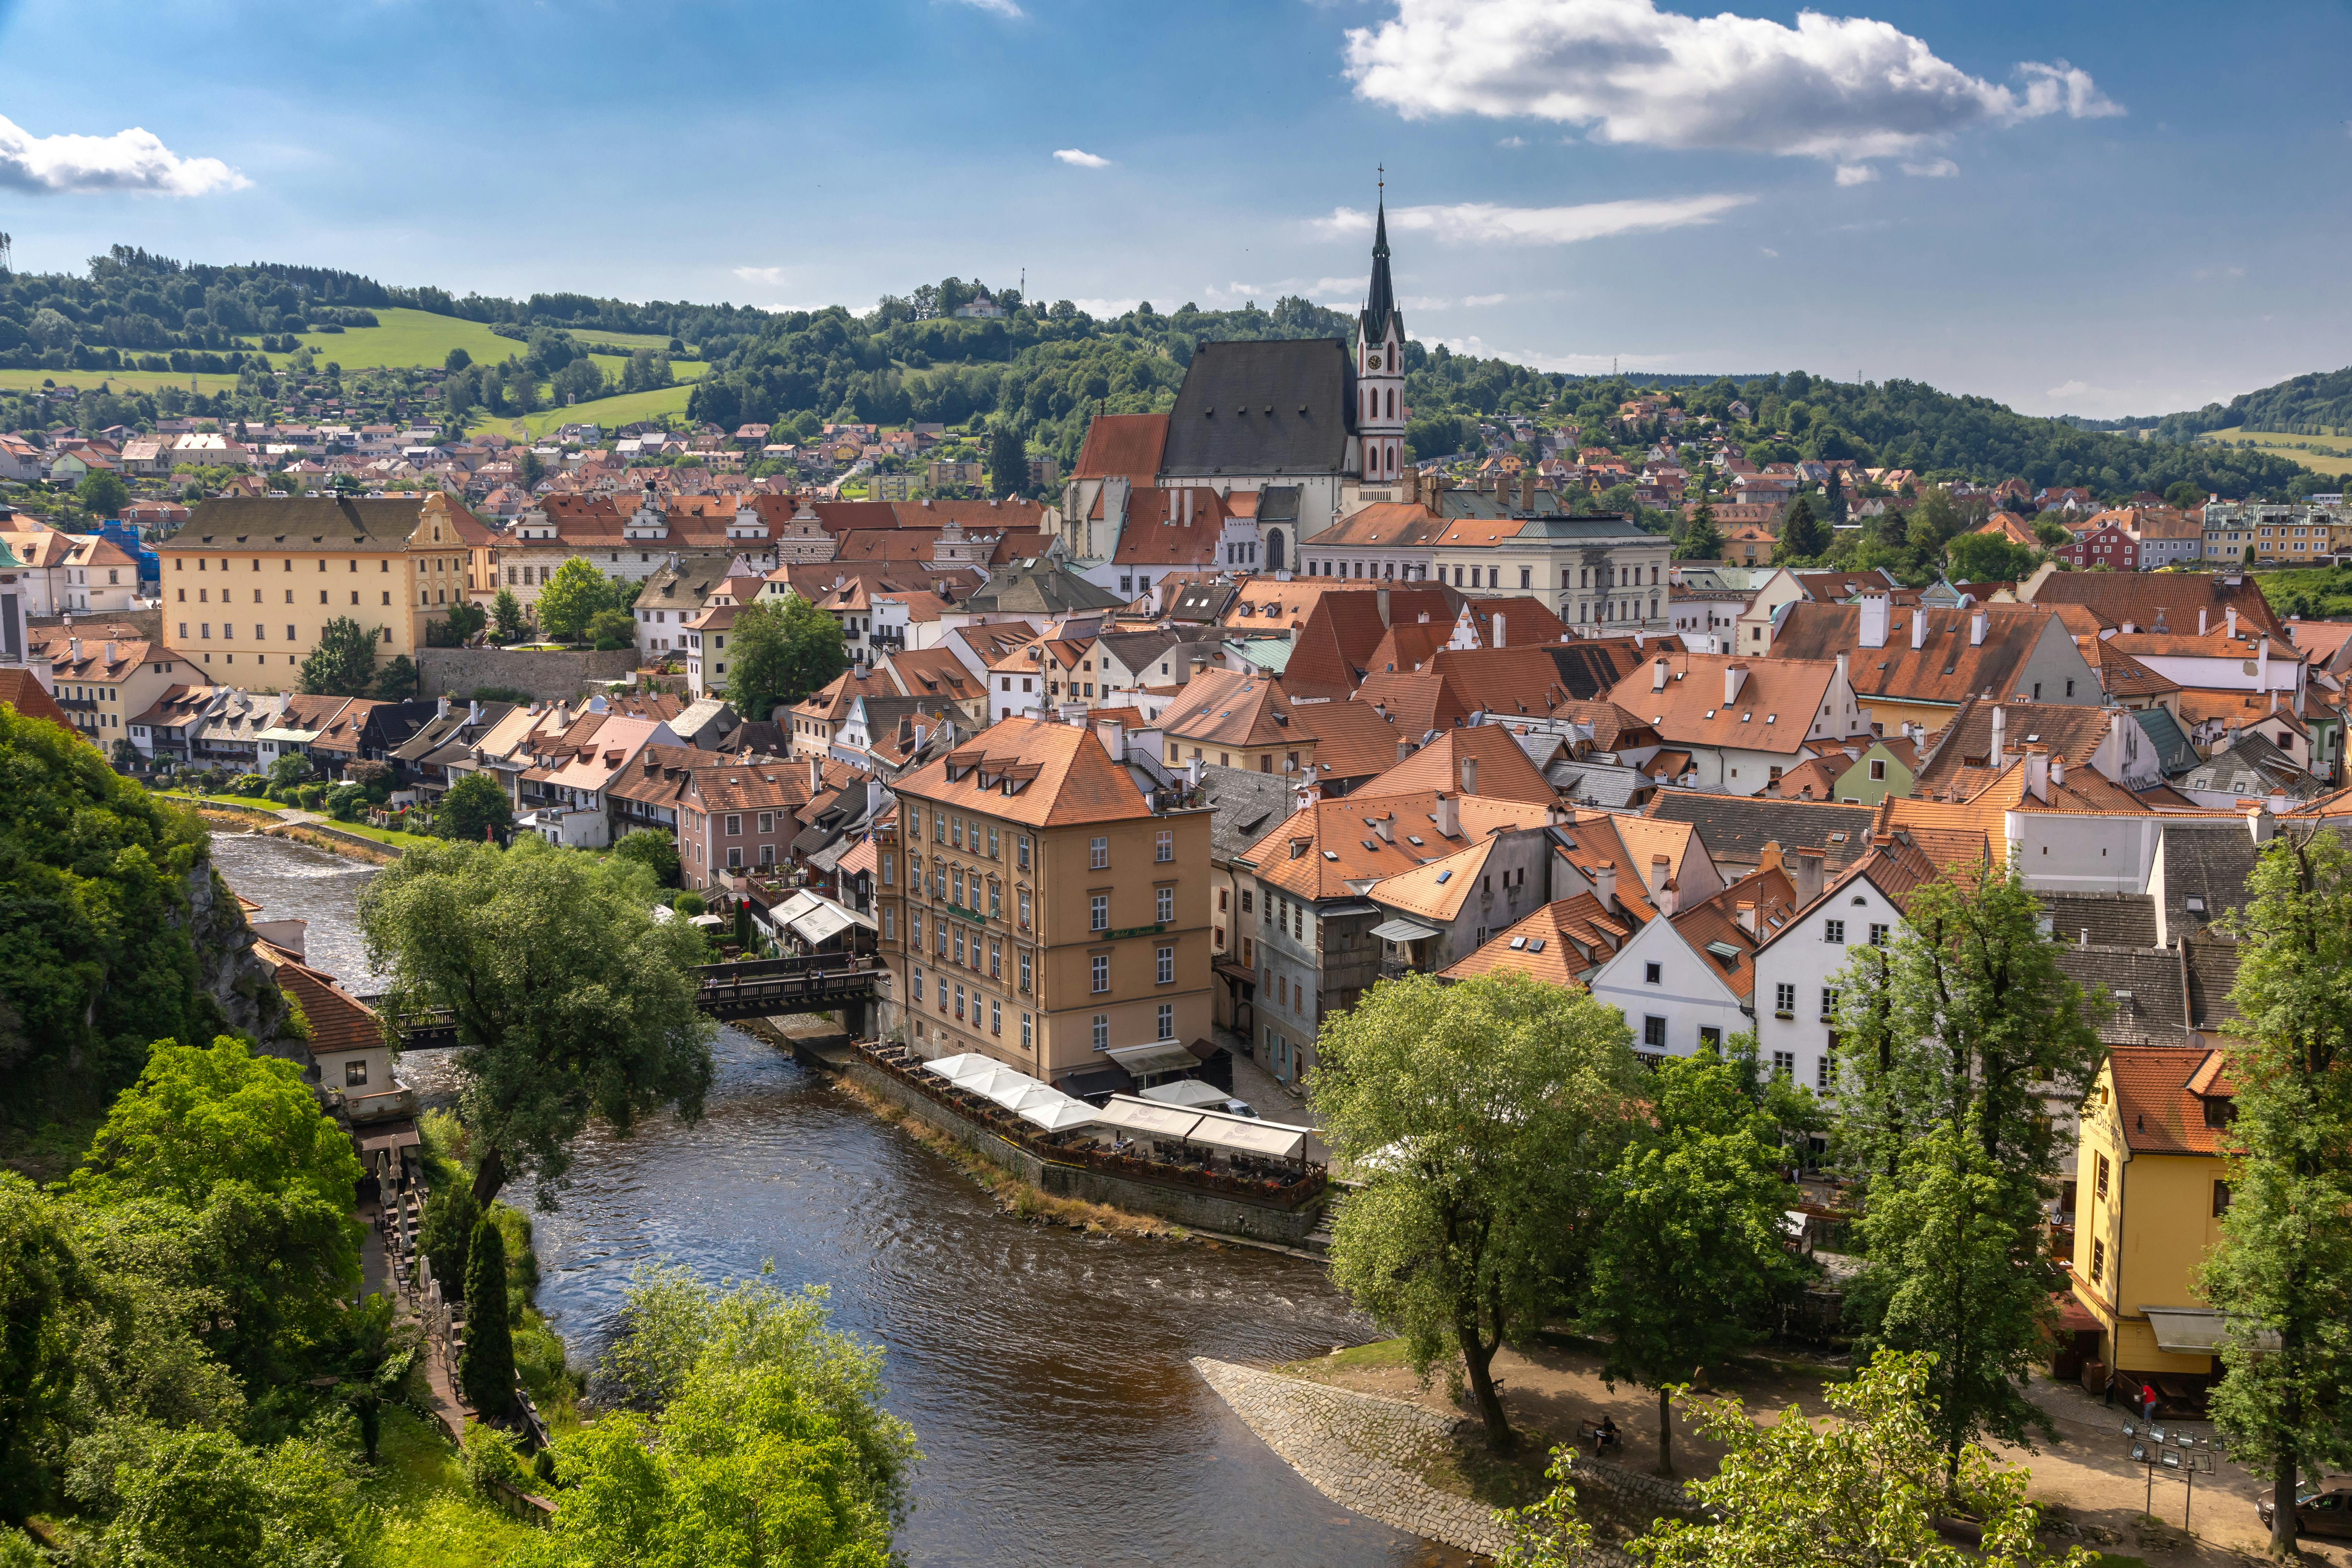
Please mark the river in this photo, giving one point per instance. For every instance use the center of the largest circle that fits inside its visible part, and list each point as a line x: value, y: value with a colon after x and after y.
x: 1045, y: 1374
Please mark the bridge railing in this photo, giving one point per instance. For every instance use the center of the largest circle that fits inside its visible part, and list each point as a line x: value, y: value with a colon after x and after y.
x: 721, y: 987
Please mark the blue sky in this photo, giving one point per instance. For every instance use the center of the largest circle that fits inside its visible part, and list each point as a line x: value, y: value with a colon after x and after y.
x: 2099, y: 208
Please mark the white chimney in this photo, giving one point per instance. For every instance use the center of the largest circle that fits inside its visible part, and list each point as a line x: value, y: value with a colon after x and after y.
x: 1498, y: 628
x: 1873, y: 620
x: 1918, y: 627
x: 1448, y: 822
x: 1841, y: 668
x: 2000, y: 737
x: 1977, y: 628
x: 1735, y: 676
x: 1662, y: 870
x: 110, y: 654
x: 1746, y: 915
x: 473, y: 712
x: 2201, y: 621
x: 441, y: 705
x: 1659, y: 669
x: 2263, y: 663
x: 2057, y: 770
x: 73, y: 650
x: 2232, y: 613
x: 1604, y: 884
x: 1469, y: 775
x: 2037, y: 774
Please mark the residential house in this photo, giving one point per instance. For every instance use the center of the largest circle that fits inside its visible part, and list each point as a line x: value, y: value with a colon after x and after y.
x: 104, y: 687
x: 1915, y: 666
x: 1737, y: 724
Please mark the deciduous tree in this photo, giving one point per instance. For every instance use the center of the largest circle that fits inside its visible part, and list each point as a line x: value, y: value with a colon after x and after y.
x: 343, y: 662
x: 569, y: 1001
x: 571, y: 599
x: 1486, y: 1118
x: 781, y: 649
x: 474, y: 809
x: 505, y: 613
x: 2285, y: 1264
x: 46, y: 1291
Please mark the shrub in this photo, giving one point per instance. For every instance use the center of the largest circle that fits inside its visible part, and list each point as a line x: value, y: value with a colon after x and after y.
x: 312, y: 796
x: 490, y: 1456
x: 248, y: 785
x: 344, y: 802
x: 689, y: 905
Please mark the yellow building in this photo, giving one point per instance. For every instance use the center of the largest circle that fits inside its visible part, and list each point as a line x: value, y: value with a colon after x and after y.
x: 2149, y: 1201
x: 248, y: 583
x: 1039, y: 906
x: 103, y: 683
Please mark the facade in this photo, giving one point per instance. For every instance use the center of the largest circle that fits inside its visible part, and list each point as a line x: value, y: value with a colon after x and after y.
x: 1603, y: 576
x: 2276, y: 532
x: 2109, y: 544
x: 1043, y: 901
x: 104, y: 687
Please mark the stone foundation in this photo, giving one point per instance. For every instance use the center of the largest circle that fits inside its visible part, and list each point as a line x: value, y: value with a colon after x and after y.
x: 459, y: 671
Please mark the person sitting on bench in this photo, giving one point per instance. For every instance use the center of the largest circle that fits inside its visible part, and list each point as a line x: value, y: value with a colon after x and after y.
x: 1605, y: 1436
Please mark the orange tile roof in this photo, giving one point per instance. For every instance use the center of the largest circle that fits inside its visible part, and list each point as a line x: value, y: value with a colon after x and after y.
x: 1320, y: 850
x: 1437, y: 889
x: 1558, y: 944
x: 1776, y: 704
x: 1416, y: 700
x: 1231, y: 708
x: 339, y: 1020
x: 1714, y: 920
x: 1059, y: 774
x: 31, y: 700
x: 1352, y: 740
x: 1484, y: 751
x: 1124, y: 446
x: 2159, y: 1112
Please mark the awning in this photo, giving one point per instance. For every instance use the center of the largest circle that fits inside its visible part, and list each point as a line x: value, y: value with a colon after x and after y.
x: 988, y: 1084
x: 954, y: 1068
x: 1186, y: 1091
x: 2196, y: 1331
x: 1064, y: 1113
x: 1162, y: 1056
x: 1240, y: 1135
x: 2074, y: 1317
x: 1143, y: 1116
x: 388, y: 1136
x: 1401, y: 929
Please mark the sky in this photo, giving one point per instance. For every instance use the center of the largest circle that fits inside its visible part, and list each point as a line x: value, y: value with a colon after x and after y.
x: 2097, y: 209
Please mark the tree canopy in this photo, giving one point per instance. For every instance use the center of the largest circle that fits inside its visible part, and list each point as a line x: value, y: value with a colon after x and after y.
x: 1486, y: 1118
x: 570, y: 599
x: 473, y: 809
x: 569, y: 1000
x: 343, y: 662
x: 780, y: 649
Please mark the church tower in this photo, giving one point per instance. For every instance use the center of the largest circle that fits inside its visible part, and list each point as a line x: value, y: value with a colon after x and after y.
x: 1380, y: 368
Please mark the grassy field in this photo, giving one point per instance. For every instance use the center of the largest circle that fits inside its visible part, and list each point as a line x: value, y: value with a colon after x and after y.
x: 2329, y: 589
x: 2329, y: 455
x: 120, y: 380
x: 608, y: 412
x: 432, y: 1517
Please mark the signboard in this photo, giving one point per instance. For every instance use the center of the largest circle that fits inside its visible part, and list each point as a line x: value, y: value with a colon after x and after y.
x: 2185, y: 1455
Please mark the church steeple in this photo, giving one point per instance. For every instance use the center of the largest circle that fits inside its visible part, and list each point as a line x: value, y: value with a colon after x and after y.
x: 1380, y: 303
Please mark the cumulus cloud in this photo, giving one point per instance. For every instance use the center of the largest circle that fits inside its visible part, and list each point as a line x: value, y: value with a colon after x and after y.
x: 1071, y: 156
x: 135, y: 160
x: 1544, y: 358
x: 1855, y: 174
x: 1768, y: 250
x: 1934, y: 169
x: 1482, y: 221
x: 769, y: 275
x: 1841, y: 88
x: 995, y: 8
x: 1483, y: 298
x: 1512, y: 142
x: 1105, y: 308
x: 1424, y: 302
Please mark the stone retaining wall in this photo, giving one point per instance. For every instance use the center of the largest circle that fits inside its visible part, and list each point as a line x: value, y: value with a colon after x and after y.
x: 1187, y: 1207
x: 459, y: 671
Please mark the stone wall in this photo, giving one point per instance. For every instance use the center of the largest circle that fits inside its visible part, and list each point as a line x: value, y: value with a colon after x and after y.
x: 1185, y: 1205
x: 459, y: 671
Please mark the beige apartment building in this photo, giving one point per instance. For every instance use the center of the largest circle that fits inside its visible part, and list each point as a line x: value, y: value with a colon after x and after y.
x: 1041, y: 904
x: 103, y: 683
x: 250, y: 584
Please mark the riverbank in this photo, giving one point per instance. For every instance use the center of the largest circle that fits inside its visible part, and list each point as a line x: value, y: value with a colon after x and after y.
x: 353, y: 840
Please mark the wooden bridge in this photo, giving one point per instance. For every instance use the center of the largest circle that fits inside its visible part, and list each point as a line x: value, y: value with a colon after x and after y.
x: 756, y: 988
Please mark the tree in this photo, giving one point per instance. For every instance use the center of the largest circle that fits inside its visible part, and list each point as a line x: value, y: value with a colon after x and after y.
x: 45, y: 1289
x: 203, y: 1500
x: 654, y: 849
x: 1701, y: 540
x: 457, y: 626
x: 612, y: 629
x: 2186, y: 495
x: 1008, y: 463
x: 1688, y: 1263
x: 379, y: 1353
x: 2283, y: 1266
x: 474, y: 809
x: 485, y: 1372
x: 1488, y: 1116
x: 398, y: 680
x: 505, y: 613
x: 1866, y: 1486
x: 292, y: 768
x: 343, y: 664
x: 446, y: 1237
x: 456, y: 360
x: 1801, y: 537
x: 571, y: 599
x: 569, y: 1001
x: 1954, y: 1039
x: 1987, y: 558
x: 784, y: 647
x: 101, y: 494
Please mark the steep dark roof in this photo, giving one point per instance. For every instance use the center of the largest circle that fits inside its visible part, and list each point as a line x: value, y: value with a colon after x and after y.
x: 2212, y: 972
x: 2253, y: 767
x: 1737, y: 828
x: 1040, y: 589
x: 2114, y: 919
x: 1276, y: 406
x: 1590, y: 667
x: 2147, y: 991
x: 1380, y: 300
x: 305, y: 522
x: 2210, y: 866
x: 2174, y: 751
x: 1244, y: 805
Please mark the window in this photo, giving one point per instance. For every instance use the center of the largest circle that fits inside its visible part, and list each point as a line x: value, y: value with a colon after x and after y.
x: 1784, y: 1064
x: 1164, y: 908
x: 1652, y: 973
x: 1877, y: 935
x: 995, y: 899
x: 1710, y: 1037
x: 1654, y: 1032
x: 958, y: 1005
x: 889, y: 870
x: 1025, y: 1027
x: 995, y: 959
x: 767, y: 822
x: 1828, y: 1002
x: 1163, y: 845
x: 1246, y: 896
x: 1784, y: 1000
x: 2099, y: 1184
x: 2220, y: 1199
x: 1167, y: 1021
x: 1877, y: 769
x: 734, y: 858
x: 2098, y: 1260
x: 1822, y: 1073
x: 992, y: 841
x: 734, y: 825
x: 995, y: 1016
x: 914, y: 928
x: 917, y: 978
x: 1098, y: 911
x: 1098, y: 854
x: 1101, y: 973
x: 1021, y: 855
x: 889, y: 923
x: 1025, y: 970
x: 355, y: 1077
x: 955, y: 832
x: 1023, y: 906
x: 914, y: 822
x: 1167, y: 966
x: 1102, y: 1031
x: 1834, y: 932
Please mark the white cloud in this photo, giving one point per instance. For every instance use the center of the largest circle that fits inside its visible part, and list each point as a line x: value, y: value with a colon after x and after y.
x: 2068, y: 389
x: 2207, y: 274
x: 1484, y: 223
x: 1005, y: 8
x: 1081, y: 159
x: 135, y: 160
x: 1936, y: 169
x: 1483, y: 298
x: 1540, y: 359
x: 1424, y: 302
x: 1855, y: 174
x: 1768, y: 250
x: 1843, y: 87
x: 1512, y: 142
x: 1105, y: 308
x: 769, y: 275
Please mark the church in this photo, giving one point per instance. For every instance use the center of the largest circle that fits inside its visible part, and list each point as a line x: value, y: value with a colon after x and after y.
x: 1286, y: 435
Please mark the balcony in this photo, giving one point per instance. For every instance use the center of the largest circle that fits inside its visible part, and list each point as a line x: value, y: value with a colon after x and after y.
x: 1398, y: 968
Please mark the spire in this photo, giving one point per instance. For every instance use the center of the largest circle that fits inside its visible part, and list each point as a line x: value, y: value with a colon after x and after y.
x: 1380, y: 304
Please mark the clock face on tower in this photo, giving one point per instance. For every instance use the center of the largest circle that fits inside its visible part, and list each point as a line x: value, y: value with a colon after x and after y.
x: 1373, y: 361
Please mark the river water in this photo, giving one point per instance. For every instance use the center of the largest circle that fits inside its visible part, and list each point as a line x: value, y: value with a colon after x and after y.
x: 1045, y: 1374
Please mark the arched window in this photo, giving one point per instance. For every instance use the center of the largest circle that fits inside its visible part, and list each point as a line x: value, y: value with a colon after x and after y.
x: 1392, y: 402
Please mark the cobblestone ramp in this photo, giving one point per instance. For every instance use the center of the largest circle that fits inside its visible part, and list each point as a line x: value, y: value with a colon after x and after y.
x: 1359, y: 1449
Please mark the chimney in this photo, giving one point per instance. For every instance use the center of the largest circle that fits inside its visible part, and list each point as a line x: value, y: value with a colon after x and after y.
x: 1977, y: 628
x: 1604, y: 884
x: 2128, y: 627
x: 473, y: 711
x: 73, y: 650
x: 1999, y: 736
x: 2037, y: 774
x: 1919, y: 627
x: 1380, y: 603
x: 2201, y: 621
x: 1662, y: 871
x: 1841, y: 669
x: 1498, y: 628
x: 1735, y: 676
x: 1469, y: 775
x: 1659, y: 669
x: 1527, y: 489
x: 1384, y: 827
x: 1805, y: 868
x: 441, y: 705
x: 1769, y: 858
x: 1873, y: 620
x: 2263, y: 663
x: 2057, y: 770
x: 1667, y: 898
x: 816, y: 775
x: 2232, y: 613
x: 1745, y: 913
x: 1447, y: 820
x: 110, y: 660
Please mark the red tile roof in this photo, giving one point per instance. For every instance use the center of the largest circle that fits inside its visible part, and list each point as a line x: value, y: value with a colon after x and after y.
x: 1124, y: 446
